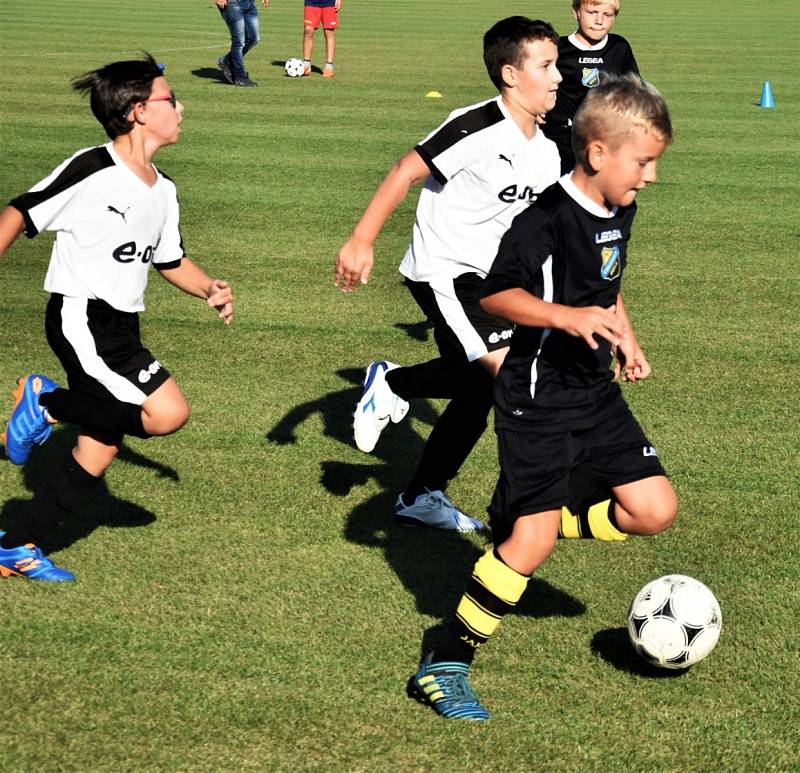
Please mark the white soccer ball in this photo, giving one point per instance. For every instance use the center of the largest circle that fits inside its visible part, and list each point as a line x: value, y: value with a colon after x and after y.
x: 674, y: 621
x: 294, y: 68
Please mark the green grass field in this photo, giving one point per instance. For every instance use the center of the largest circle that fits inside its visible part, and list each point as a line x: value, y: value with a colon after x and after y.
x: 243, y: 598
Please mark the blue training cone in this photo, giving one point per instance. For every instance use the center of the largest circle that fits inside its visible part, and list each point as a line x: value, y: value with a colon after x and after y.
x: 767, y: 100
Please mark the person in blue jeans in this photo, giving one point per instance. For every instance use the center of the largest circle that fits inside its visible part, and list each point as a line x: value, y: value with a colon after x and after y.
x: 241, y: 16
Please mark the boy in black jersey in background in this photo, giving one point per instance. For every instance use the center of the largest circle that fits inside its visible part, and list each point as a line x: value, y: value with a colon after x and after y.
x: 560, y: 415
x: 114, y: 213
x: 582, y: 56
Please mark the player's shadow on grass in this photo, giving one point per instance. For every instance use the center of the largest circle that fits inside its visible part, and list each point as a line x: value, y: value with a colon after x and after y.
x: 211, y: 74
x: 614, y: 646
x: 102, y: 508
x: 432, y: 565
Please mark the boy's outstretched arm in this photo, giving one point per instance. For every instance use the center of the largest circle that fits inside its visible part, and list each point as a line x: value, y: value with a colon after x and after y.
x: 522, y: 308
x: 12, y: 225
x: 355, y: 258
x: 190, y: 278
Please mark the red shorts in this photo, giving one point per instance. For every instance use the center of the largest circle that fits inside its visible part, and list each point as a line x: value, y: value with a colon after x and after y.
x: 313, y: 16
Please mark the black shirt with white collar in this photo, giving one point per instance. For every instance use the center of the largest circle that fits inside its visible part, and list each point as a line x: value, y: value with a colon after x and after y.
x: 580, y: 67
x: 563, y: 249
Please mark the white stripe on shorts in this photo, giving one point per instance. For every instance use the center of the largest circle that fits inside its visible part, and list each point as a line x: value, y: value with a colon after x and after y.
x: 454, y: 315
x: 75, y: 326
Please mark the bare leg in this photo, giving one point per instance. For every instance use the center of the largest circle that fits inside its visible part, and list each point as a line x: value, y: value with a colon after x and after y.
x: 308, y: 42
x: 330, y: 44
x: 166, y: 410
x: 646, y: 506
x: 532, y: 540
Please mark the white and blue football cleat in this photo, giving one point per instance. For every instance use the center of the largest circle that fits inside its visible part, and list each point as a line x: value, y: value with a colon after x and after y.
x: 377, y: 407
x: 434, y: 509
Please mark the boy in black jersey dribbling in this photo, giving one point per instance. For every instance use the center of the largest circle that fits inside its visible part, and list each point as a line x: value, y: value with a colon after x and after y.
x: 114, y: 213
x: 561, y: 419
x: 583, y: 57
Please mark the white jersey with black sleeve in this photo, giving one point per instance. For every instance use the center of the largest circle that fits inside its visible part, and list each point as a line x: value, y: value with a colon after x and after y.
x: 110, y: 226
x: 484, y: 172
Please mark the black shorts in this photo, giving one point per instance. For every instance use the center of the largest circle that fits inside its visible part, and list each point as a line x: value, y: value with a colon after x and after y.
x: 541, y: 471
x: 461, y: 327
x: 100, y: 350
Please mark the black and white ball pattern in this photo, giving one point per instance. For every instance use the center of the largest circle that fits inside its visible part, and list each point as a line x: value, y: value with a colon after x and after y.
x: 674, y: 621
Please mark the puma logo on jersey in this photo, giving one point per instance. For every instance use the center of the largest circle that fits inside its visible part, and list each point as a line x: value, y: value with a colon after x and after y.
x: 649, y: 451
x: 505, y: 158
x: 109, y: 208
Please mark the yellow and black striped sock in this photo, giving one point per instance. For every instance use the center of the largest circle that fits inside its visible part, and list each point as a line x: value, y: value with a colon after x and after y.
x: 595, y: 522
x: 493, y: 590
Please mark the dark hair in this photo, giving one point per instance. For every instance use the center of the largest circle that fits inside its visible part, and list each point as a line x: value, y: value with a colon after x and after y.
x: 505, y: 43
x: 115, y: 88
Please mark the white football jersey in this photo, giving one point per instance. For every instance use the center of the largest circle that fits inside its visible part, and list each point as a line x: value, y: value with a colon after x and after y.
x: 110, y: 226
x: 484, y: 172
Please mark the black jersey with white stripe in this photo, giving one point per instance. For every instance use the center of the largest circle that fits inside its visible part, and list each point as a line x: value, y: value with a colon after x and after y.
x: 564, y: 251
x: 580, y: 67
x: 110, y: 226
x: 484, y: 171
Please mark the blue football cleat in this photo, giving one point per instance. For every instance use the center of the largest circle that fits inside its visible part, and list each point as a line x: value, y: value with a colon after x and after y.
x: 434, y: 509
x: 29, y: 561
x: 444, y: 687
x: 28, y: 426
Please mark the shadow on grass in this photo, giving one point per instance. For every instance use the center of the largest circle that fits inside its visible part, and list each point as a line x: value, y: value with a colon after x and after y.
x: 432, y: 565
x: 102, y: 508
x: 211, y: 74
x: 614, y: 646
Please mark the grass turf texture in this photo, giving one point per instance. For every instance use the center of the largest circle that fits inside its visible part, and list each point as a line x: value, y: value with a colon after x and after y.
x: 243, y: 599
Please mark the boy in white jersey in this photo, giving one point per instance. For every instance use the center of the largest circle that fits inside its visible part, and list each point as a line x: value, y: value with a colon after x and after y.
x: 485, y: 164
x: 559, y: 414
x: 114, y: 213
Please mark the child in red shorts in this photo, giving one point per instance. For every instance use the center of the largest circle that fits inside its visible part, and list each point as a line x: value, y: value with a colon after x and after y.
x: 326, y: 13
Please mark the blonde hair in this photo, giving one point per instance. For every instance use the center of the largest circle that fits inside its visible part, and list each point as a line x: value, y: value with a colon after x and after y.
x: 578, y: 4
x: 612, y: 111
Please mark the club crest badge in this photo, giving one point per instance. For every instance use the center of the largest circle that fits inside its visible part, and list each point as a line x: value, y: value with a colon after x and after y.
x: 610, y: 257
x: 590, y: 77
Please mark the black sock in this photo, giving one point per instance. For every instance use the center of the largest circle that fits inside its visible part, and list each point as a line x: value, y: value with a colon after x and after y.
x: 455, y: 433
x: 107, y: 416
x: 436, y: 378
x: 63, y: 491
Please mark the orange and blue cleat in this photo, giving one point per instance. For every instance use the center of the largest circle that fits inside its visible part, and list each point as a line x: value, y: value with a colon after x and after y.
x: 28, y: 425
x: 29, y: 561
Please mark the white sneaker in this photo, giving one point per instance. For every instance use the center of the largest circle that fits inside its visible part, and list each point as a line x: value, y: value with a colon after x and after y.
x: 377, y: 407
x: 436, y: 510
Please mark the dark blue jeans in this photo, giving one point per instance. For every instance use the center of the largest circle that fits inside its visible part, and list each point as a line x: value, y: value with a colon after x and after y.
x: 241, y: 17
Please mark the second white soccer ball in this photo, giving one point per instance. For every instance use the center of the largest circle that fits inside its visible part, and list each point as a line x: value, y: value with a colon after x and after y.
x: 294, y: 67
x: 674, y: 621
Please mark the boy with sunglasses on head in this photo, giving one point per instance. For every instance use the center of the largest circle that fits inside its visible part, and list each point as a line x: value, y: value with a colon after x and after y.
x: 114, y: 213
